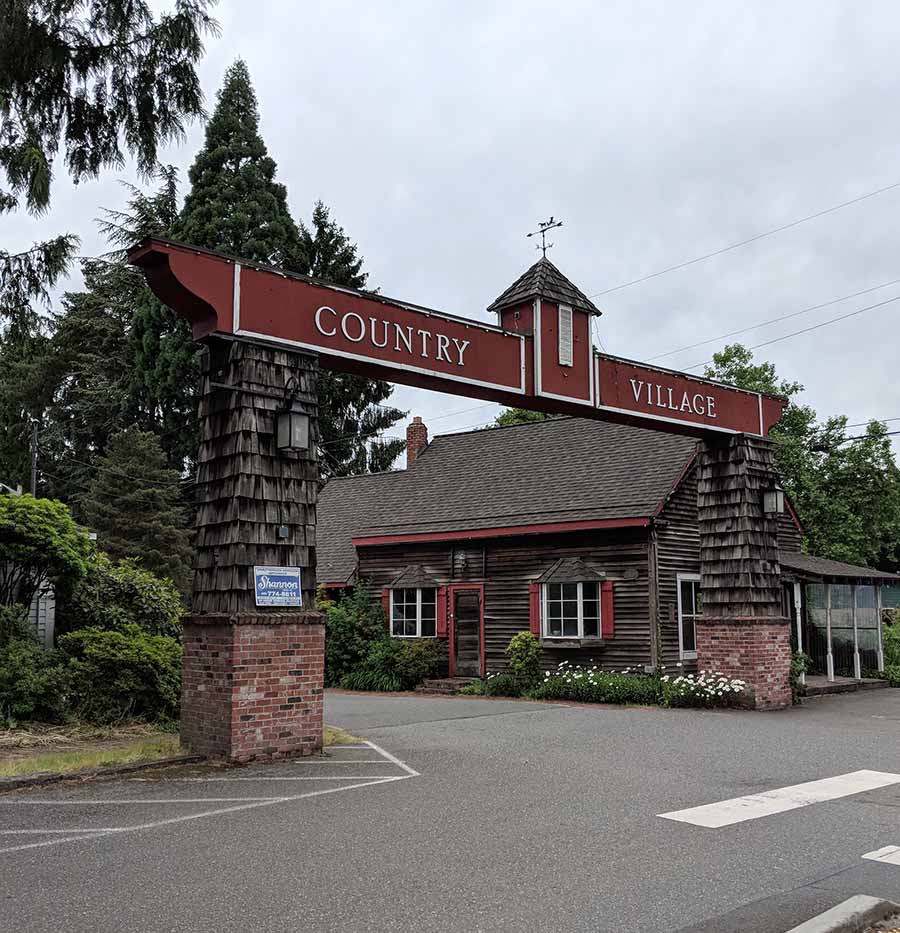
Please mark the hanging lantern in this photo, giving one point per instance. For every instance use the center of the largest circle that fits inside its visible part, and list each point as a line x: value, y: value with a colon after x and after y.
x: 291, y: 423
x: 773, y: 499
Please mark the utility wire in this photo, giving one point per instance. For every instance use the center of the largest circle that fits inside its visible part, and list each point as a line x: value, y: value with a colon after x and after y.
x: 774, y: 320
x: 753, y: 239
x: 806, y: 330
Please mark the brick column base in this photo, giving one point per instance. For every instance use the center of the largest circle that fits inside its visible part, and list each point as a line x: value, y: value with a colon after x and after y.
x: 756, y: 650
x: 252, y: 685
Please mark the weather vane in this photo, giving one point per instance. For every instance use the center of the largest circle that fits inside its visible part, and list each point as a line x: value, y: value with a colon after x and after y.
x: 543, y: 228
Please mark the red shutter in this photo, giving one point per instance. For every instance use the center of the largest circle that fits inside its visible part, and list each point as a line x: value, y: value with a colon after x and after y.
x: 386, y: 602
x: 607, y: 611
x: 534, y: 609
x: 441, y: 612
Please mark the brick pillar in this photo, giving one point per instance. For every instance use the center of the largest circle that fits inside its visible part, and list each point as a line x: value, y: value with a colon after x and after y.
x: 416, y: 439
x: 742, y: 631
x: 252, y: 677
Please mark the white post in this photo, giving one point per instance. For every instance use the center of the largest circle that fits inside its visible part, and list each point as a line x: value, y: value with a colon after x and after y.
x: 798, y: 615
x: 829, y: 658
x: 857, y: 667
x: 880, y: 625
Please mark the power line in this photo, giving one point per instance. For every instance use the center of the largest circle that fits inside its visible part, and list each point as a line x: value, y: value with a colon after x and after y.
x: 862, y: 424
x: 774, y: 320
x: 806, y: 330
x: 753, y: 239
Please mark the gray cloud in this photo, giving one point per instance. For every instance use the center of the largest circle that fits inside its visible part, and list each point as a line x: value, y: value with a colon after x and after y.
x: 441, y: 133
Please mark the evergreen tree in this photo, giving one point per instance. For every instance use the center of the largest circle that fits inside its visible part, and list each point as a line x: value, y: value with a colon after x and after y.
x: 87, y: 76
x: 236, y: 206
x: 134, y: 504
x: 518, y: 416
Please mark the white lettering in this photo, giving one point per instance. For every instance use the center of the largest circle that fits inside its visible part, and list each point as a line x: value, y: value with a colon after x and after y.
x: 319, y: 328
x: 636, y: 386
x: 699, y: 407
x: 443, y: 344
x: 460, y: 349
x: 711, y: 407
x: 426, y: 335
x: 685, y: 403
x: 375, y: 343
x: 362, y: 326
x: 405, y: 336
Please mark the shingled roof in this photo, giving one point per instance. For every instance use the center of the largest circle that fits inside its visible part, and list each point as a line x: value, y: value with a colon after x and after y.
x: 560, y: 470
x: 808, y: 565
x: 544, y: 280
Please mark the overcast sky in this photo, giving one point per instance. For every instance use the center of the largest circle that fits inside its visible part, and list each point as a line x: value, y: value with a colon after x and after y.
x: 441, y: 133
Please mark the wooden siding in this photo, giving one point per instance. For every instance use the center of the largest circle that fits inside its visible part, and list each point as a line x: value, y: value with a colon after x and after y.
x: 678, y: 551
x: 506, y: 566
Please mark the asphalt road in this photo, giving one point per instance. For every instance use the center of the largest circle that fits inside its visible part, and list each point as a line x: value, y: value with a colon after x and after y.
x: 468, y: 815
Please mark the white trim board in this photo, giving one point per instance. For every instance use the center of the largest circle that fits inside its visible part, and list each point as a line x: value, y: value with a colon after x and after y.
x: 782, y: 799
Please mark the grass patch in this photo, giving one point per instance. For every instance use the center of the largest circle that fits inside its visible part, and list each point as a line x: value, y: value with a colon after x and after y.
x: 122, y: 753
x: 336, y: 736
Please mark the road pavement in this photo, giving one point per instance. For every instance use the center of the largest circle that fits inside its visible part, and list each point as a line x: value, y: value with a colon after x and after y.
x: 474, y: 814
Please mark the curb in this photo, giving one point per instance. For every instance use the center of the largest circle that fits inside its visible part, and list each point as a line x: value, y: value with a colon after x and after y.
x: 850, y: 916
x: 55, y: 777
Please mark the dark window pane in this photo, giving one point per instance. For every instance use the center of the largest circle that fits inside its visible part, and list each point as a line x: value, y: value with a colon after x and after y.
x: 590, y: 591
x: 591, y: 627
x: 687, y: 597
x: 698, y: 600
x: 688, y: 641
x: 428, y: 627
x: 429, y: 598
x: 570, y: 590
x: 570, y: 609
x: 554, y: 591
x: 570, y: 627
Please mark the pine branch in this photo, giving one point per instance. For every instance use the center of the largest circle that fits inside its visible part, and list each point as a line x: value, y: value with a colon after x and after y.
x: 31, y: 274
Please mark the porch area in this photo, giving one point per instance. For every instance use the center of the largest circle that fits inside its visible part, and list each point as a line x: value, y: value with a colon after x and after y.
x: 838, y: 613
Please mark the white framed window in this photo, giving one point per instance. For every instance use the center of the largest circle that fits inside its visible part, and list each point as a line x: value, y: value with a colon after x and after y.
x: 570, y: 610
x: 565, y: 336
x: 689, y: 607
x: 414, y: 612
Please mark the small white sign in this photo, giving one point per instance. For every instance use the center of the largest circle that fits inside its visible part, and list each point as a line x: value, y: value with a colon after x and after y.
x: 278, y: 586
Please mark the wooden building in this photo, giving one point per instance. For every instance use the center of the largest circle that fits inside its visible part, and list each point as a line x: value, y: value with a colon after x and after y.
x: 582, y: 531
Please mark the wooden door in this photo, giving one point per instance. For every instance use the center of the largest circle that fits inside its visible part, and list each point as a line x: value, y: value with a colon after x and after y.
x: 467, y: 633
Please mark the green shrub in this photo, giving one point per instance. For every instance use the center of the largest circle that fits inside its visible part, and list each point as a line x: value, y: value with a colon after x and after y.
x: 375, y: 681
x: 892, y: 674
x: 416, y: 660
x: 503, y: 685
x: 352, y: 624
x: 475, y: 689
x: 397, y: 664
x: 127, y: 674
x: 39, y: 543
x: 523, y: 658
x: 801, y: 663
x: 14, y: 623
x: 891, y: 642
x: 34, y: 685
x: 114, y: 595
x: 593, y: 686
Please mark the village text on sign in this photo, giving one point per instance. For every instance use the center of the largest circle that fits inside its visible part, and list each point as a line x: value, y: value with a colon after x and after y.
x: 277, y: 586
x: 542, y: 358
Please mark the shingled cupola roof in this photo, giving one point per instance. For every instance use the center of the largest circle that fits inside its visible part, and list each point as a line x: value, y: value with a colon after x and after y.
x: 544, y: 280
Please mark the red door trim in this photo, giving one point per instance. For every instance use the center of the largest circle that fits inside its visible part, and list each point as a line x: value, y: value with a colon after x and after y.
x: 451, y: 623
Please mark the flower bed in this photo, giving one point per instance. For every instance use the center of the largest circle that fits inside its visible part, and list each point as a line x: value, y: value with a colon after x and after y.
x: 591, y: 685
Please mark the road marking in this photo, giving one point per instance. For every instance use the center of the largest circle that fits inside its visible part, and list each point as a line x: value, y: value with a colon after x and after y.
x: 888, y: 855
x: 242, y: 803
x: 318, y: 777
x: 755, y: 806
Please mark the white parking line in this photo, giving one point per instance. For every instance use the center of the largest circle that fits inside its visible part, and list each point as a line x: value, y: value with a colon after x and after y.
x: 318, y: 777
x: 241, y: 804
x: 755, y: 806
x: 888, y: 855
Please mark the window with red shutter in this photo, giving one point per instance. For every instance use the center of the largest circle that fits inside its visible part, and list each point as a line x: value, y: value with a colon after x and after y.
x: 607, y: 610
x: 534, y: 609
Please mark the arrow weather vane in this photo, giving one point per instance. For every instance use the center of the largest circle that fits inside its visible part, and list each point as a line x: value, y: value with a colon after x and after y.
x: 543, y: 228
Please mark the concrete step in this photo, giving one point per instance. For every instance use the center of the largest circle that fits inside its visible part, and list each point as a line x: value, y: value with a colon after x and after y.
x: 843, y: 686
x: 443, y: 685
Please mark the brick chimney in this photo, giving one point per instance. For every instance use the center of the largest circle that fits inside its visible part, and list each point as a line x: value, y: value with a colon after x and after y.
x: 416, y: 439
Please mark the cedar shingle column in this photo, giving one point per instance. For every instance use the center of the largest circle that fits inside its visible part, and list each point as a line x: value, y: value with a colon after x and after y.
x: 252, y: 678
x: 742, y: 631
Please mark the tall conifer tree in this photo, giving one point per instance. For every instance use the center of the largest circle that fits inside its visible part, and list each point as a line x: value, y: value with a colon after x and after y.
x: 236, y: 206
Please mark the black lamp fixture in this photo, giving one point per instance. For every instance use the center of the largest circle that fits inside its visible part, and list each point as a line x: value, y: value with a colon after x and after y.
x: 291, y: 422
x: 773, y: 499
